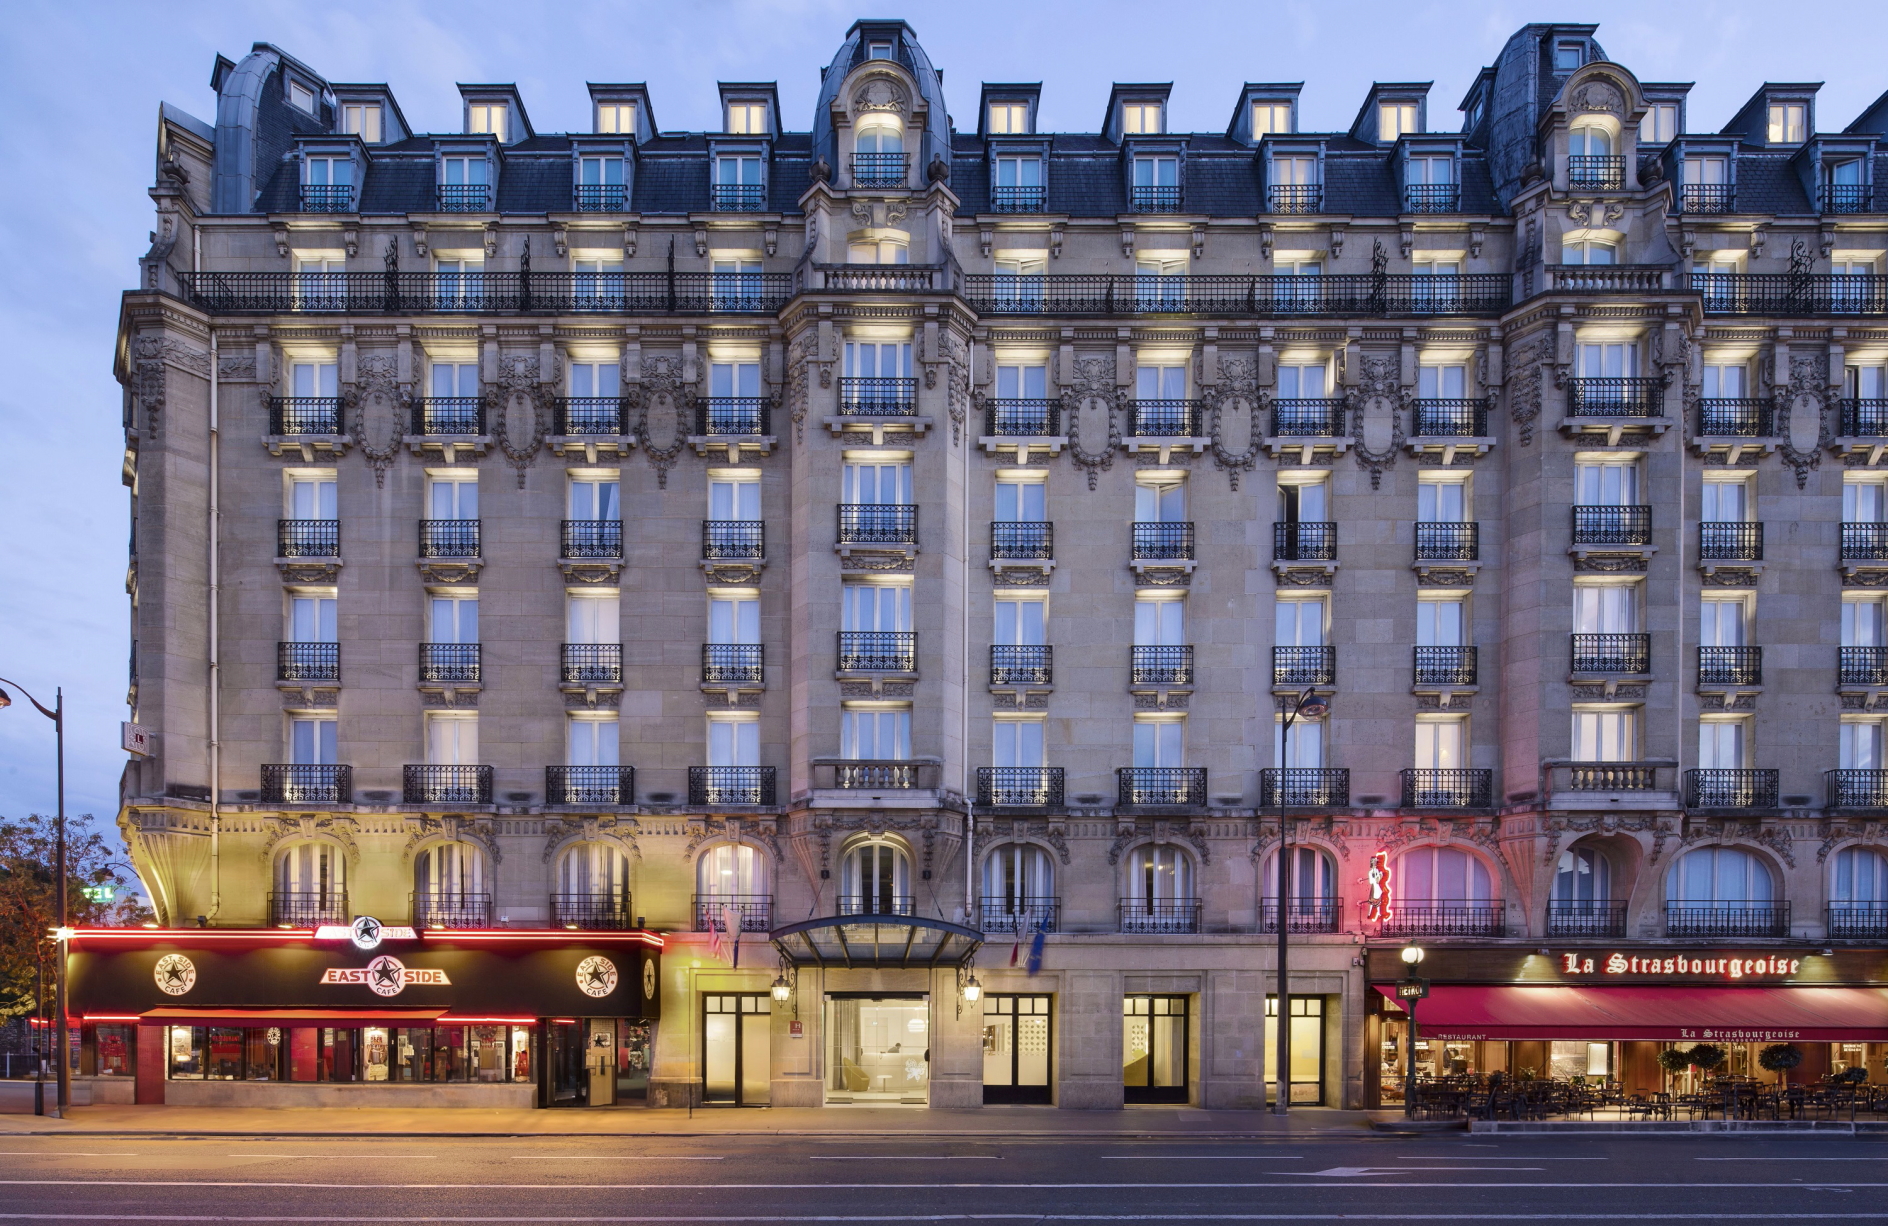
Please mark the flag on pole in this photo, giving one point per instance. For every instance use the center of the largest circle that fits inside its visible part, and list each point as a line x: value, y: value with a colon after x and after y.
x: 1035, y: 950
x: 714, y: 937
x: 731, y: 921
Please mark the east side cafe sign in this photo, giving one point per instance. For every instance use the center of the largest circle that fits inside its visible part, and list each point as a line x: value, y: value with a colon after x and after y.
x: 1730, y: 966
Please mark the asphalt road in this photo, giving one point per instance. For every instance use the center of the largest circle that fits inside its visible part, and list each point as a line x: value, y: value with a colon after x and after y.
x: 879, y: 1178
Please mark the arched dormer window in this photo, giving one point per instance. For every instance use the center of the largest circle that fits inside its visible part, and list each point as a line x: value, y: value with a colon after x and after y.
x: 731, y: 879
x: 878, y: 153
x: 450, y: 888
x: 1592, y: 158
x: 875, y: 879
x: 310, y: 886
x: 1313, y: 890
x: 592, y: 887
x: 1018, y: 890
x: 1161, y: 895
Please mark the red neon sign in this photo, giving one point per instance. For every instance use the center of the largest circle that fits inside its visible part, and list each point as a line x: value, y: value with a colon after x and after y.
x: 1381, y: 901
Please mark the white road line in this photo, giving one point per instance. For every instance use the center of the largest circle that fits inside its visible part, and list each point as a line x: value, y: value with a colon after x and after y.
x: 351, y: 1153
x: 65, y: 1153
x: 984, y: 1217
x: 613, y: 1157
x: 905, y: 1157
x: 1208, y: 1157
x: 1665, y: 1184
x: 1874, y: 1158
x: 1493, y: 1158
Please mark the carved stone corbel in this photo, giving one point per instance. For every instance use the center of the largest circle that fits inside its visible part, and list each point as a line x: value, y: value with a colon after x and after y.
x: 560, y: 239
x: 1265, y: 240
x: 1475, y: 236
x: 1757, y: 237
x: 1405, y: 239
x: 1828, y: 239
x: 985, y: 237
x: 281, y: 239
x: 1199, y: 242
x: 1055, y: 243
x: 351, y: 239
x: 1127, y: 241
x: 701, y: 241
x: 770, y: 239
x: 491, y: 240
x: 629, y: 241
x: 419, y: 239
x: 1687, y: 241
x: 1337, y: 241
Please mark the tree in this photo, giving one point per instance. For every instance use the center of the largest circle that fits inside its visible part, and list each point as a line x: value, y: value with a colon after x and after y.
x: 1780, y: 1058
x: 29, y: 903
x: 1708, y: 1056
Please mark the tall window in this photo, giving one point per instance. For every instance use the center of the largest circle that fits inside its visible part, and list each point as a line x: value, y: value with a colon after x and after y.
x: 1722, y: 876
x: 1298, y: 623
x: 1720, y: 744
x: 1313, y: 879
x: 1660, y: 124
x: 734, y: 619
x: 1152, y: 174
x: 1859, y: 879
x: 311, y: 498
x: 1441, y: 744
x: 448, y: 498
x: 597, y: 280
x: 455, y: 379
x: 1583, y: 877
x: 311, y: 741
x: 876, y: 880
x: 1702, y: 171
x: 1603, y: 736
x: 1271, y: 117
x: 1441, y: 502
x: 591, y: 742
x: 1160, y: 383
x: 738, y: 181
x: 1016, y: 173
x: 487, y: 117
x: 747, y: 118
x: 314, y: 379
x: 1859, y: 746
x: 1394, y: 119
x: 1301, y: 747
x: 1016, y: 743
x: 875, y: 735
x: 593, y: 618
x: 733, y: 742
x: 1141, y: 118
x: 1723, y: 380
x: 464, y: 171
x: 734, y: 498
x: 1609, y: 609
x: 1590, y: 141
x: 735, y: 380
x: 1022, y: 382
x: 1018, y: 282
x: 1160, y: 873
x: 1160, y: 502
x: 865, y: 360
x: 876, y: 484
x: 363, y: 120
x: 880, y: 136
x: 452, y: 740
x: 598, y: 379
x: 1864, y: 502
x: 1721, y: 623
x: 1441, y: 623
x: 1441, y: 382
x: 311, y: 619
x: 1160, y: 623
x: 1865, y: 382
x: 454, y: 619
x: 1295, y: 170
x: 312, y: 871
x: 594, y: 870
x: 616, y: 117
x: 1608, y: 483
x: 447, y: 872
x: 1724, y: 502
x: 594, y: 499
x: 1019, y: 623
x: 1303, y: 381
x: 1016, y: 875
x: 731, y: 870
x: 1021, y: 501
x: 1008, y: 118
x: 867, y: 607
x: 329, y: 172
x: 600, y: 172
x: 1304, y: 502
x: 1789, y: 123
x: 737, y: 283
x: 1443, y: 876
x: 1589, y: 251
x: 1159, y: 743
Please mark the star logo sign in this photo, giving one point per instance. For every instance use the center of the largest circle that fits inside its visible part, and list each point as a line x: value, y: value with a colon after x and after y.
x: 366, y: 932
x: 386, y: 975
x: 175, y: 974
x: 596, y: 976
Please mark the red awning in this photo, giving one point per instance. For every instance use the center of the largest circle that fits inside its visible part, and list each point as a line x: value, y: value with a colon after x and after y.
x: 1724, y: 1015
x: 210, y: 1015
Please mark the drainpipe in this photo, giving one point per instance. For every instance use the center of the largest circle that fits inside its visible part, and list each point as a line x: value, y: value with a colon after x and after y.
x: 215, y: 646
x: 970, y: 792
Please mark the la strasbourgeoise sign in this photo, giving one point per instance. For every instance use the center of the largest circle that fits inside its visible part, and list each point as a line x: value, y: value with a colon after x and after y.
x: 1602, y: 965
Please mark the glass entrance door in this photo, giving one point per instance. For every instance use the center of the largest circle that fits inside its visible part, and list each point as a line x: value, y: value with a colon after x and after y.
x: 737, y: 1049
x: 1154, y: 1049
x: 1015, y: 1049
x: 1307, y: 1050
x: 879, y: 1050
x: 566, y: 1080
x: 634, y: 1052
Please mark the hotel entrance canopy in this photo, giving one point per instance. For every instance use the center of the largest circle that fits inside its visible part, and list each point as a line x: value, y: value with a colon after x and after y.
x: 876, y: 942
x: 1468, y: 1012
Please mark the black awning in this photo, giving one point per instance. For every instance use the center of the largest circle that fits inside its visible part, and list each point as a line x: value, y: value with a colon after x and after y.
x: 876, y: 941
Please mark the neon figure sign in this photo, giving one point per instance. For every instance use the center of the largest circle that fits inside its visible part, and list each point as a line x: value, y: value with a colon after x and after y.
x: 1378, y: 905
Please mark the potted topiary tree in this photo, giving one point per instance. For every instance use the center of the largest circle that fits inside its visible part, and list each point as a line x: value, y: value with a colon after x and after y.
x: 1707, y: 1056
x: 1780, y: 1058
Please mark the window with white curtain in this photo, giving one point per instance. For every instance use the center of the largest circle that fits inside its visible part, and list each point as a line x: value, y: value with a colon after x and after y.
x: 1608, y: 360
x: 1016, y: 742
x: 487, y: 117
x: 1159, y: 743
x: 616, y: 118
x: 1440, y: 744
x: 1008, y: 118
x: 1583, y: 876
x: 876, y: 880
x: 591, y: 742
x: 595, y: 499
x: 1298, y: 623
x: 1020, y: 623
x: 1590, y: 140
x: 736, y: 380
x: 1271, y: 117
x: 1863, y: 502
x: 1720, y: 876
x: 452, y: 740
x: 1016, y: 874
x: 1720, y: 744
x: 1721, y: 623
x: 1442, y: 382
x: 314, y: 379
x: 733, y: 742
x: 1442, y: 623
x: 1160, y: 382
x: 1724, y: 501
x: 1604, y: 736
x: 1313, y: 878
x: 1859, y: 878
x: 1304, y: 502
x: 1160, y: 872
x: 1303, y: 381
x: 311, y: 619
x: 1021, y: 501
x: 1022, y: 382
x: 311, y: 740
x: 731, y: 870
x: 865, y: 607
x: 1394, y: 119
x: 871, y: 484
x: 1859, y: 745
x: 317, y: 871
x: 1660, y: 123
x: 1589, y: 251
x: 452, y: 498
x: 734, y: 498
x: 362, y: 120
x: 455, y: 379
x: 1140, y: 118
x: 875, y: 734
x: 1019, y: 172
x: 747, y: 118
x: 1160, y: 623
x: 734, y: 619
x: 1162, y: 502
x: 594, y: 869
x: 589, y: 379
x: 1788, y: 122
x: 1724, y: 380
x: 1606, y: 483
x: 1437, y: 876
x: 1858, y: 382
x: 455, y: 619
x: 882, y: 251
x: 880, y: 135
x: 1441, y: 502
x: 1612, y: 609
x: 1301, y: 747
x: 446, y: 872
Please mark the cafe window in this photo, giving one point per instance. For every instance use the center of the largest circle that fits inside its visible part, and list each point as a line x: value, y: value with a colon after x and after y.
x: 227, y: 1053
x: 1154, y: 1049
x: 1307, y: 1050
x: 1016, y: 1053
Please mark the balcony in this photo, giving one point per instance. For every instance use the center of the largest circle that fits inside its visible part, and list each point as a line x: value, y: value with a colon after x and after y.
x: 1858, y: 921
x: 592, y: 664
x: 1160, y: 665
x: 307, y: 538
x: 876, y: 904
x: 1304, y: 542
x: 1864, y: 542
x: 592, y: 912
x: 451, y: 910
x: 1432, y: 198
x: 885, y: 278
x: 589, y: 416
x: 1429, y: 788
x: 1263, y: 295
x: 1017, y: 916
x: 1296, y: 199
x: 464, y: 197
x: 1730, y: 789
x: 880, y: 169
x: 600, y: 198
x: 449, y: 538
x: 1164, y: 418
x: 1447, y: 541
x: 308, y: 662
x: 1730, y: 541
x: 1864, y: 418
x: 730, y: 785
x: 1016, y: 199
x: 877, y: 774
x: 1162, y: 541
x: 592, y: 538
x: 1307, y: 915
x: 1314, y: 418
x: 1586, y: 919
x: 878, y: 651
x: 642, y: 293
x: 307, y: 783
x: 1612, y: 526
x: 1304, y: 787
x: 1173, y: 786
x: 862, y: 397
x: 447, y: 785
x: 1021, y: 664
x: 731, y: 540
x: 1596, y: 172
x: 1791, y: 294
x: 738, y: 197
x: 308, y: 908
x: 1707, y: 198
x: 451, y: 663
x: 1445, y: 666
x: 1615, y: 655
x: 1146, y: 199
x: 293, y: 415
x: 327, y: 198
x: 1020, y: 540
x: 1019, y: 787
x: 1847, y: 198
x: 1015, y: 418
x: 1611, y: 776
x: 1451, y: 418
x: 1301, y: 666
x: 731, y: 664
x: 1169, y: 916
x: 590, y: 785
x: 1445, y: 917
x: 733, y: 416
x: 752, y: 912
x: 1730, y: 666
x: 1760, y: 918
x: 1727, y: 417
x: 877, y: 524
x: 1858, y: 789
x: 1617, y: 397
x: 454, y: 416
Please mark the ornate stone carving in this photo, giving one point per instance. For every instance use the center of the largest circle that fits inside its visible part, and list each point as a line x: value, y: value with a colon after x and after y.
x: 520, y: 411
x: 1525, y: 386
x: 1437, y: 577
x: 1092, y: 407
x: 1611, y: 564
x: 1803, y: 412
x: 1295, y: 577
x: 659, y: 402
x: 1377, y: 403
x: 880, y: 93
x: 1236, y: 399
x: 153, y: 357
x: 1597, y: 96
x: 379, y: 407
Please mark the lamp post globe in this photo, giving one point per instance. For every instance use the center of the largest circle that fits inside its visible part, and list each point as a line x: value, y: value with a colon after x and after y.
x: 1412, y: 955
x: 1411, y: 990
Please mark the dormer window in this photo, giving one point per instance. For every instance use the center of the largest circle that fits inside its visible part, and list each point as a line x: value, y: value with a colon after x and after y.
x: 737, y: 186
x: 616, y: 117
x: 1660, y: 124
x: 878, y: 51
x: 1569, y: 56
x: 1789, y: 122
x: 1008, y: 118
x: 462, y: 187
x: 878, y: 158
x: 1707, y: 184
x: 1591, y: 162
x: 1018, y: 187
x: 1395, y: 119
x: 747, y: 118
x: 328, y: 185
x: 1156, y: 185
x: 363, y: 120
x: 1271, y: 116
x: 1843, y: 190
x: 600, y: 184
x: 1430, y: 185
x: 1141, y: 118
x: 487, y: 117
x: 301, y: 97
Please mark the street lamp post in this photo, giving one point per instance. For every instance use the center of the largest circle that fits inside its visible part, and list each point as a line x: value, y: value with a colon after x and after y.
x: 1412, y: 988
x: 1309, y: 705
x: 60, y: 1043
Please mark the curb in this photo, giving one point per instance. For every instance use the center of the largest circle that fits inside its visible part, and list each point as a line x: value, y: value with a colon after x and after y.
x: 1718, y: 1127
x: 1412, y: 1127
x: 929, y: 1135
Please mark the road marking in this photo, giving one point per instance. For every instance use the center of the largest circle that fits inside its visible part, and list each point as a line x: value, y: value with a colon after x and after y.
x: 620, y: 1157
x: 1209, y: 1157
x: 1493, y: 1158
x: 1352, y: 1172
x: 981, y: 1217
x: 1712, y: 1185
x: 65, y: 1153
x: 905, y: 1157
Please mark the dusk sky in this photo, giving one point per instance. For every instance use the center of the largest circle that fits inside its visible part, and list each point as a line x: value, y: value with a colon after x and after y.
x: 82, y: 84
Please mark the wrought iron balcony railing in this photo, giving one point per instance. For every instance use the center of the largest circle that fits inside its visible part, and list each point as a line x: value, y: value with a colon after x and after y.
x: 1756, y: 918
x: 734, y: 539
x: 732, y: 663
x: 738, y: 197
x: 734, y: 415
x: 1734, y: 417
x: 592, y: 538
x: 307, y: 538
x: 1863, y: 666
x: 1304, y: 542
x: 600, y: 198
x: 449, y: 415
x: 1016, y: 199
x: 1444, y: 788
x: 643, y: 293
x: 1451, y: 418
x: 596, y: 416
x: 1161, y: 785
x: 464, y: 197
x: 1304, y: 665
x: 1793, y: 294
x: 1018, y: 916
x: 1021, y: 664
x: 1707, y: 198
x: 1022, y: 540
x: 1022, y: 418
x: 1301, y: 914
x: 1445, y: 666
x: 1317, y: 417
x: 1730, y: 789
x: 878, y: 651
x: 1730, y: 666
x: 293, y: 415
x: 592, y: 664
x: 730, y: 785
x: 877, y: 523
x: 1625, y: 655
x: 749, y: 912
x: 607, y: 912
x: 1447, y: 541
x: 1847, y: 198
x: 1167, y: 915
x: 590, y: 785
x: 1432, y: 198
x: 1019, y: 787
x: 327, y: 197
x: 308, y: 908
x: 1730, y: 541
x: 1160, y: 665
x: 1612, y: 525
x: 308, y: 662
x: 451, y: 909
x: 1596, y: 170
x: 307, y: 783
x: 446, y: 785
x: 1858, y: 789
x: 1445, y: 917
x: 1263, y: 295
x: 1864, y: 418
x: 1858, y: 921
x: 1162, y: 540
x: 876, y: 397
x: 1304, y: 787
x: 880, y: 169
x: 1615, y: 397
x: 450, y: 662
x: 876, y: 904
x: 1143, y: 199
x: 1295, y: 198
x: 1164, y: 418
x: 1865, y: 542
x: 1612, y: 776
x: 449, y: 538
x: 1586, y: 919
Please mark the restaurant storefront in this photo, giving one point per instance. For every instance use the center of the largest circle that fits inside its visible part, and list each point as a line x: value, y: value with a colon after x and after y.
x: 367, y: 1014
x: 1605, y: 1012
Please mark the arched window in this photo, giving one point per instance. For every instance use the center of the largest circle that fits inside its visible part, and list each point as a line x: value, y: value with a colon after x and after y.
x: 1313, y: 891
x: 1161, y: 895
x: 1721, y: 877
x: 1018, y: 890
x: 449, y: 887
x: 731, y: 888
x: 876, y: 880
x: 310, y: 886
x: 1442, y: 877
x: 592, y: 887
x: 1858, y: 893
x: 1590, y: 140
x: 880, y: 135
x: 1583, y: 879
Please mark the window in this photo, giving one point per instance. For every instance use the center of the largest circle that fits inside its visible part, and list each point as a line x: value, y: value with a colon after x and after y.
x: 1008, y: 118
x: 318, y: 283
x: 738, y: 183
x: 747, y: 118
x: 1021, y: 502
x: 1603, y: 736
x: 868, y: 608
x: 464, y: 171
x: 452, y: 498
x: 734, y: 498
x: 314, y: 871
x: 1156, y: 173
x: 1394, y: 119
x: 1272, y: 117
x: 1020, y: 623
x: 314, y: 379
x: 1703, y: 171
x: 1724, y: 381
x: 329, y: 172
x: 1313, y: 880
x: 868, y: 484
x: 1720, y: 744
x: 600, y: 171
x: 1569, y: 56
x: 1160, y: 623
x: 591, y: 742
x: 598, y: 279
x: 1303, y: 381
x: 734, y: 619
x: 362, y: 120
x: 876, y: 880
x: 1608, y: 361
x: 1863, y: 623
x: 1431, y: 172
x: 1612, y: 609
x: 880, y: 136
x: 1722, y: 876
x: 1018, y: 284
x: 458, y: 283
x: 1016, y: 875
x: 1863, y: 502
x: 1724, y: 501
x: 1160, y: 383
x: 734, y: 380
x: 1590, y: 141
x: 1301, y: 747
x: 592, y: 617
x: 1660, y: 124
x: 447, y: 872
x: 733, y: 741
x: 731, y: 870
x: 1589, y: 251
x: 883, y: 251
x: 1141, y: 118
x: 311, y: 741
x: 878, y: 51
x: 301, y: 97
x: 487, y: 117
x: 1299, y: 170
x: 1441, y: 623
x: 737, y: 283
x: 452, y: 740
x: 1441, y: 382
x: 881, y: 735
x: 594, y: 870
x: 1160, y: 873
x: 865, y: 360
x: 1159, y: 743
x: 311, y: 498
x: 1016, y: 743
x: 1863, y: 382
x: 311, y: 619
x: 1022, y: 383
x: 1441, y: 744
x: 1443, y: 876
x: 1306, y: 502
x: 1788, y: 122
x: 595, y: 379
x: 1721, y: 623
x: 1298, y: 623
x: 454, y: 619
x: 1581, y: 878
x: 616, y: 118
x: 1160, y: 502
x: 1021, y: 176
x: 1860, y: 878
x: 1606, y: 483
x: 594, y: 499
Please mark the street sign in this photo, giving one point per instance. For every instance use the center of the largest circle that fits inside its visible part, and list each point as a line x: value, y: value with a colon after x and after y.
x: 1412, y: 989
x: 137, y: 739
